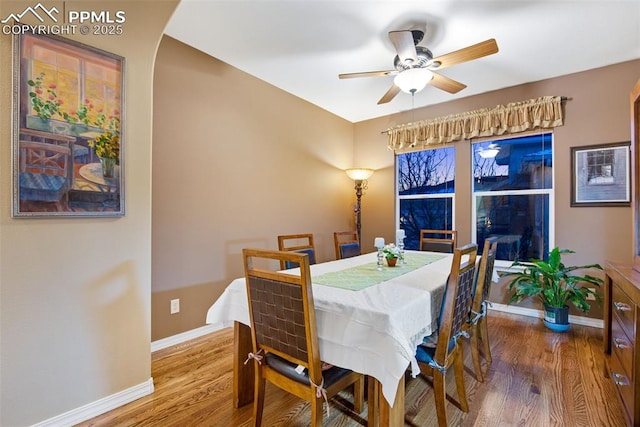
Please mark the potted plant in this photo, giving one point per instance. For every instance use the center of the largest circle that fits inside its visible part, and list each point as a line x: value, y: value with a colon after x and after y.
x: 391, y: 253
x: 107, y: 148
x: 553, y: 284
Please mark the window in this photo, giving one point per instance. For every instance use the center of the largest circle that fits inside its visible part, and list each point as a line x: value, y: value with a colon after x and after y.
x: 513, y: 195
x: 600, y: 167
x: 84, y: 86
x: 425, y: 192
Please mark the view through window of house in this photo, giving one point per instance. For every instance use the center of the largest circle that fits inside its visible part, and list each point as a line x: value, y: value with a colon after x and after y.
x: 513, y: 195
x: 600, y: 167
x: 82, y: 86
x: 426, y: 192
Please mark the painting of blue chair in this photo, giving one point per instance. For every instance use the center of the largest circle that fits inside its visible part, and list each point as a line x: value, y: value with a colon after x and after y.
x: 45, y: 174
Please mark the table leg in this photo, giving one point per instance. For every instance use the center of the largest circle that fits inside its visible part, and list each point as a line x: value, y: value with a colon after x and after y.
x: 380, y: 413
x: 373, y: 392
x: 243, y: 375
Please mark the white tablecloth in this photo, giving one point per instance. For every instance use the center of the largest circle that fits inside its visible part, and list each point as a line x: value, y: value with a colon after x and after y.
x: 373, y: 331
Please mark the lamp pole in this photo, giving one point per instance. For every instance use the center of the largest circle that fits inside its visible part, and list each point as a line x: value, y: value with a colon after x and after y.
x: 359, y: 175
x: 360, y: 185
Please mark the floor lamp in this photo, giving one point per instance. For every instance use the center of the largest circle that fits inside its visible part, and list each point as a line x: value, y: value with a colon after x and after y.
x: 360, y: 177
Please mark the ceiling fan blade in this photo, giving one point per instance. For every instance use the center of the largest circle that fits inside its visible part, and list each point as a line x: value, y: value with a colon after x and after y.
x: 446, y: 84
x: 403, y: 43
x: 368, y: 74
x: 485, y: 48
x: 391, y: 93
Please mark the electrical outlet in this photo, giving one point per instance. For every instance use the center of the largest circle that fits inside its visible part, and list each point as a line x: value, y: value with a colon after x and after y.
x: 591, y: 297
x: 175, y: 306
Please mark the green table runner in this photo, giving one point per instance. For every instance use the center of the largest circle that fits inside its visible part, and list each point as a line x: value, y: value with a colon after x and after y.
x: 363, y: 276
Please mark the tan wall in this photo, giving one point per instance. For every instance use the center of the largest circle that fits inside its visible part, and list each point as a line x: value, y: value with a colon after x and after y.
x: 251, y: 160
x: 75, y: 293
x: 597, y: 112
x: 236, y: 162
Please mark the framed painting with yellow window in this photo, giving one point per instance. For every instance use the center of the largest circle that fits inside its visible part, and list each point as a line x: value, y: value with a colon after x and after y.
x: 67, y: 129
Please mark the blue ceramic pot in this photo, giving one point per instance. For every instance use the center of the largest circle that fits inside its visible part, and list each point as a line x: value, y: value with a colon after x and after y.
x: 556, y: 318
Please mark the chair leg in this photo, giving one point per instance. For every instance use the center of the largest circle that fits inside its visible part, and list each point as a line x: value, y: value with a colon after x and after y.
x: 475, y: 351
x: 316, y: 411
x: 458, y: 368
x: 440, y: 394
x: 485, y: 339
x: 258, y: 399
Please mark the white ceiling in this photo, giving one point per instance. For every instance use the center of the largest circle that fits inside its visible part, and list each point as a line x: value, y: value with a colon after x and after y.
x: 301, y: 46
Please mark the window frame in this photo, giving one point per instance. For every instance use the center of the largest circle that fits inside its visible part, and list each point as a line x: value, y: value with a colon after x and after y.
x: 399, y: 197
x: 500, y: 263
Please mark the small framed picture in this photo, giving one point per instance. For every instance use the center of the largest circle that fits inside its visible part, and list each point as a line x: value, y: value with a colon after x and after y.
x: 600, y: 175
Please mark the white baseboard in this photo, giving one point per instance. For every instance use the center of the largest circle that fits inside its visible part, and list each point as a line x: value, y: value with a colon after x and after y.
x: 99, y: 407
x: 185, y: 336
x: 123, y: 397
x: 532, y: 312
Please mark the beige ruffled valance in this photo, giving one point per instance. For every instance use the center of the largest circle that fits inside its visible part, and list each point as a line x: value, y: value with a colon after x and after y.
x: 544, y: 112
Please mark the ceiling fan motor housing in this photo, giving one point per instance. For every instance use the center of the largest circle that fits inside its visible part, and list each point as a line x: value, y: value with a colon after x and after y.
x: 425, y: 58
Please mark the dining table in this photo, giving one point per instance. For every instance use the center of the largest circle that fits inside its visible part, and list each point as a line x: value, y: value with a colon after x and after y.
x: 370, y: 319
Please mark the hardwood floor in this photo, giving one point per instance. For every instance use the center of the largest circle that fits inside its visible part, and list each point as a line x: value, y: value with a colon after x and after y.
x: 537, y: 378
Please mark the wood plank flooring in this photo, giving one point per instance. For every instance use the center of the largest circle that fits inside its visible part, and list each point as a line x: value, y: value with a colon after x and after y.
x: 537, y: 378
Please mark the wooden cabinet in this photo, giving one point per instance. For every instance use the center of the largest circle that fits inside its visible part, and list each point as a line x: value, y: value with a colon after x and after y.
x: 622, y: 296
x: 622, y: 321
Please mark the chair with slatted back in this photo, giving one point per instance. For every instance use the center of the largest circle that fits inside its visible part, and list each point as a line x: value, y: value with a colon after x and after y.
x: 284, y: 336
x: 302, y: 243
x: 478, y: 318
x: 346, y: 244
x: 434, y: 360
x: 438, y: 240
x: 46, y: 173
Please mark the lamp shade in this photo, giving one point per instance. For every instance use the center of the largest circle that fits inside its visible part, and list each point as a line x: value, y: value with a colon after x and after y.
x: 413, y: 79
x: 359, y: 174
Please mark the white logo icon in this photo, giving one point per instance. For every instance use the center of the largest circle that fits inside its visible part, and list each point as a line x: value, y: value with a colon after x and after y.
x: 33, y: 11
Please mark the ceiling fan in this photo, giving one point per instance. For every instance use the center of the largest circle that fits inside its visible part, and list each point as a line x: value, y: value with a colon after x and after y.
x: 415, y: 65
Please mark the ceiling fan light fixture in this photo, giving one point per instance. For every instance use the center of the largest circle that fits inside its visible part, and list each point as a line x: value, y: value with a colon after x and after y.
x: 413, y: 79
x: 490, y: 152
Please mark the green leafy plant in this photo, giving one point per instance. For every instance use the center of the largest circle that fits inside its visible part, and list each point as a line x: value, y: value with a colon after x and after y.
x: 81, y: 114
x: 551, y: 282
x: 46, y: 105
x: 391, y: 251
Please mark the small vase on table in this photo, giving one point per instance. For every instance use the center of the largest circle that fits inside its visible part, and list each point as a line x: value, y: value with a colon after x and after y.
x: 378, y: 242
x: 108, y: 166
x: 400, y: 235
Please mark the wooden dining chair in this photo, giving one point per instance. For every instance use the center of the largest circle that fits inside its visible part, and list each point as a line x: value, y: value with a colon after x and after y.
x: 284, y: 337
x: 346, y: 244
x: 302, y: 243
x: 438, y: 240
x: 477, y: 323
x: 435, y: 358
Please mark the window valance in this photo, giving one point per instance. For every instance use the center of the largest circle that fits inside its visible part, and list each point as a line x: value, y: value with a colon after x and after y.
x: 543, y: 112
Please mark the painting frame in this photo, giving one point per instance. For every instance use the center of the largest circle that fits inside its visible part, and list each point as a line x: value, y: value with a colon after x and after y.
x: 601, y: 175
x: 67, y: 129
